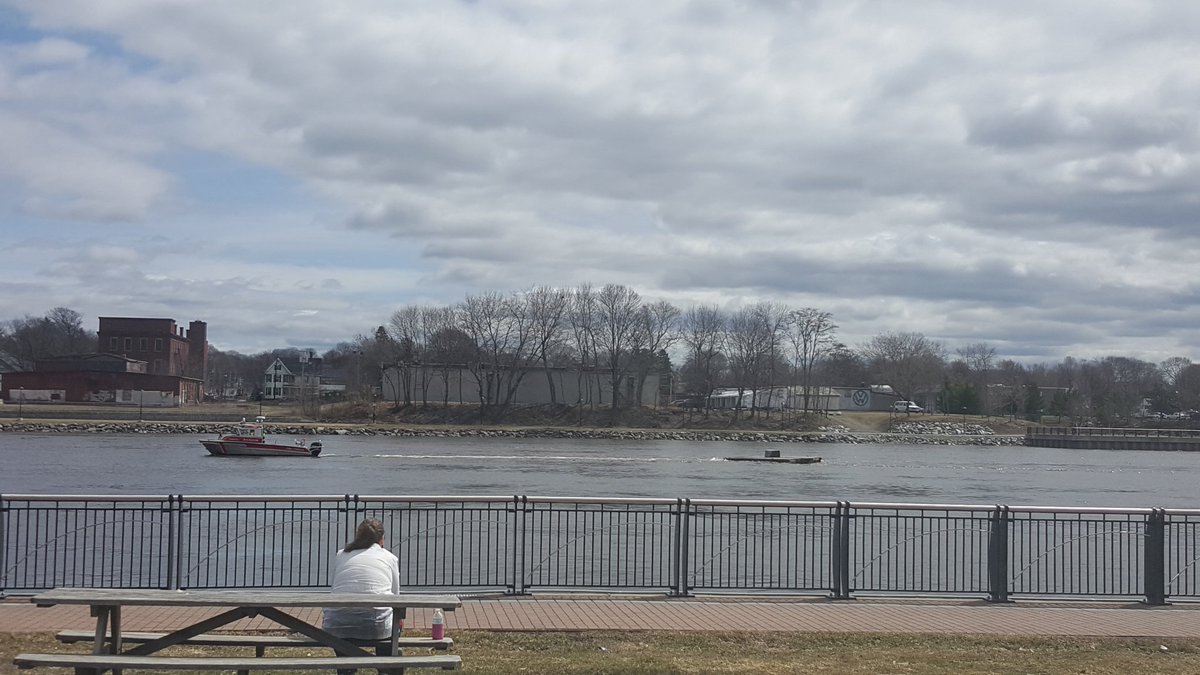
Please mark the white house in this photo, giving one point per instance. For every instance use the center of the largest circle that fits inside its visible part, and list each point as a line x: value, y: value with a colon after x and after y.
x: 288, y: 378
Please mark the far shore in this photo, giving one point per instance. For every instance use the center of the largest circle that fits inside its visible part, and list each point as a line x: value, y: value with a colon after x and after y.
x: 950, y: 436
x: 555, y: 422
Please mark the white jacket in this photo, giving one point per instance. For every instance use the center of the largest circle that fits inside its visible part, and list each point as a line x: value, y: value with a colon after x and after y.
x: 368, y: 570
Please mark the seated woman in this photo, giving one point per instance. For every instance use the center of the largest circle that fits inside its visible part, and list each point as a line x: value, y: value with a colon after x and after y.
x: 364, y: 566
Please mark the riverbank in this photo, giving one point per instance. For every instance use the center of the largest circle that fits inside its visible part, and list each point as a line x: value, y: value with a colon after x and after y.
x: 553, y: 422
x: 911, y: 433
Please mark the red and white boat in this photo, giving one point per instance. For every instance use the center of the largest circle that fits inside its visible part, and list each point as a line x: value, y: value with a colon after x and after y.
x: 248, y: 439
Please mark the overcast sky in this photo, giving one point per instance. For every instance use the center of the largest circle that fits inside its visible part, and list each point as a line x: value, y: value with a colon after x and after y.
x: 1021, y: 173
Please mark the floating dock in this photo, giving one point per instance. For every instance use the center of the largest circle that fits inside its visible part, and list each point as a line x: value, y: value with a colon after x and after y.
x: 773, y: 456
x: 1108, y: 438
x: 777, y: 460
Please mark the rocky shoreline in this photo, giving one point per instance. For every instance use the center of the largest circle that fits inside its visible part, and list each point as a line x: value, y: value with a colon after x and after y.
x: 912, y: 433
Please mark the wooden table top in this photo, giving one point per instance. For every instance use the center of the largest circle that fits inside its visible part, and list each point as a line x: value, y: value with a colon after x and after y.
x: 239, y: 598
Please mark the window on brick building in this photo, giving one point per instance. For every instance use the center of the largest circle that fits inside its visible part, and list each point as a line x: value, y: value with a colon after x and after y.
x: 158, y: 344
x: 112, y: 343
x: 128, y: 344
x: 143, y: 344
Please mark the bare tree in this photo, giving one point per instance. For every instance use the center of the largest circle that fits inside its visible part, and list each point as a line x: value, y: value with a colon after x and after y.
x: 449, y: 349
x: 659, y: 330
x: 581, y: 317
x: 752, y: 341
x: 502, y: 329
x: 906, y: 361
x: 1114, y: 386
x: 617, y: 331
x: 522, y: 348
x: 811, y: 333
x: 1172, y: 367
x: 842, y: 366
x: 702, y: 330
x: 548, y: 311
x: 59, y: 333
x: 978, y: 358
x: 1010, y: 375
x: 1187, y: 385
x: 68, y: 336
x: 405, y: 330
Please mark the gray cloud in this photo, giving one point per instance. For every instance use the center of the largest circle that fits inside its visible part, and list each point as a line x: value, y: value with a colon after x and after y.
x: 1014, y: 173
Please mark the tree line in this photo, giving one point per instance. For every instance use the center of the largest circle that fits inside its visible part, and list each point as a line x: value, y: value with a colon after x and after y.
x: 502, y: 338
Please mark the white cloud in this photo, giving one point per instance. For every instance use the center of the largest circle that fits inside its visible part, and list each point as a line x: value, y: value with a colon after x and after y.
x: 1019, y: 173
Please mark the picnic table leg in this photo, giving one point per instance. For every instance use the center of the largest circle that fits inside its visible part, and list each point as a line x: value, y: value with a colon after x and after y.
x: 398, y: 616
x: 100, y: 643
x: 114, y: 627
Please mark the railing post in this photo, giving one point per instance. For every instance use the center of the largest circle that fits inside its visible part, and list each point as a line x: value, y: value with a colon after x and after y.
x: 3, y: 547
x: 835, y: 553
x: 347, y: 517
x: 682, y: 548
x: 847, y: 521
x: 997, y: 560
x: 840, y: 555
x: 1154, y: 547
x: 517, y: 587
x: 172, y: 549
x: 675, y: 544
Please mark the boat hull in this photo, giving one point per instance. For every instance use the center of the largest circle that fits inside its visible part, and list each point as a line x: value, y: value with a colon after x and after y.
x: 243, y: 448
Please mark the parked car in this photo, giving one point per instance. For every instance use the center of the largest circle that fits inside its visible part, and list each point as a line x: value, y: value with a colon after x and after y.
x: 907, y: 407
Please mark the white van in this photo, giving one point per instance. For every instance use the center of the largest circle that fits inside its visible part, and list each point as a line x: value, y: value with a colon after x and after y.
x: 907, y: 407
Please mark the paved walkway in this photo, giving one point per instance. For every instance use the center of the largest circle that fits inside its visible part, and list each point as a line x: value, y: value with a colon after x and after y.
x: 659, y: 614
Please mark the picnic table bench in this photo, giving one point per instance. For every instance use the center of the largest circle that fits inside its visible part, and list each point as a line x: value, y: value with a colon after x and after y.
x: 259, y: 642
x: 109, y: 643
x: 116, y: 662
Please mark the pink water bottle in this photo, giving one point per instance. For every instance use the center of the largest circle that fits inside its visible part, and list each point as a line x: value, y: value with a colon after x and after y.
x: 438, y: 625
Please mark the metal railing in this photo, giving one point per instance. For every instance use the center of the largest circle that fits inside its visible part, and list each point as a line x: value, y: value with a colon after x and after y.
x: 520, y: 544
x: 1119, y: 432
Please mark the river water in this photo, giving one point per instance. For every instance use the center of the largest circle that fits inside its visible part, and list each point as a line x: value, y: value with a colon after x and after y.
x: 376, y: 465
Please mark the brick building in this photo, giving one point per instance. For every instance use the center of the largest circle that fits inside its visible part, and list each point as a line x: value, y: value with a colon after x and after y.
x: 139, y: 361
x: 167, y: 349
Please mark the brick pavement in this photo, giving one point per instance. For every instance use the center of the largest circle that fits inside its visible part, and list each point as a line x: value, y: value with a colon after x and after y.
x: 698, y: 614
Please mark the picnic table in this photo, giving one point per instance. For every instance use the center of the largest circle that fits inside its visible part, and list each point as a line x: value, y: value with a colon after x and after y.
x: 109, y: 644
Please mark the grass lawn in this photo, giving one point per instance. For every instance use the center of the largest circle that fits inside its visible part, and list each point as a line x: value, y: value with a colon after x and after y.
x: 620, y: 652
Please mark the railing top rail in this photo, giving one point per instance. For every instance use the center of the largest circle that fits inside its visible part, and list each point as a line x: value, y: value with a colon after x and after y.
x: 763, y: 502
x: 1116, y: 511
x: 601, y: 500
x: 343, y: 497
x: 923, y: 507
x: 86, y: 498
x: 649, y: 501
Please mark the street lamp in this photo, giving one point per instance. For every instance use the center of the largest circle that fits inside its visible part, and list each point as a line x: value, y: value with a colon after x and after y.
x: 21, y: 404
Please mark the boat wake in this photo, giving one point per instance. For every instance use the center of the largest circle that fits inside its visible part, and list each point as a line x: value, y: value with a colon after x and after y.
x: 541, y: 458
